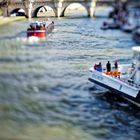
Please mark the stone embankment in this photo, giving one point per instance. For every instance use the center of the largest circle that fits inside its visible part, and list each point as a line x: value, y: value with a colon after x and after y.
x: 7, y: 20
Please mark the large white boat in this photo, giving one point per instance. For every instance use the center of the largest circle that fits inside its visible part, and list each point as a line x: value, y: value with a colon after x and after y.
x: 125, y: 80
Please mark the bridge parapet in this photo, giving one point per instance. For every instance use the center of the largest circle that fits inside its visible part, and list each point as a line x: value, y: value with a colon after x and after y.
x: 58, y: 6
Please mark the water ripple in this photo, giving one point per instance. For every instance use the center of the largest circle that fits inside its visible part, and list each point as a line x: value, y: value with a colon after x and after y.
x: 47, y: 82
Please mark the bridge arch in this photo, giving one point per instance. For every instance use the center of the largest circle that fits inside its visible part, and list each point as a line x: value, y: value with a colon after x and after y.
x: 17, y: 11
x: 59, y: 6
x: 70, y: 4
x: 36, y: 10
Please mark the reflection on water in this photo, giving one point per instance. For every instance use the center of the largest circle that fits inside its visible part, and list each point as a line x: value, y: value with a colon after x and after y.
x: 44, y: 88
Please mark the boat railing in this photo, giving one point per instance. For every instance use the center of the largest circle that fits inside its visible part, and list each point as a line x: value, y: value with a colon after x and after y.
x: 117, y: 74
x: 130, y: 82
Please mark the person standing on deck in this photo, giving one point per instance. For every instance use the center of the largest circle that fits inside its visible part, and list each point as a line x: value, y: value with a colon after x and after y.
x: 108, y: 66
x: 116, y: 65
x: 95, y: 66
x: 100, y: 67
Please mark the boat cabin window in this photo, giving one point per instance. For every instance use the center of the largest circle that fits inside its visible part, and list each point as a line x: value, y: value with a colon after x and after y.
x: 136, y: 56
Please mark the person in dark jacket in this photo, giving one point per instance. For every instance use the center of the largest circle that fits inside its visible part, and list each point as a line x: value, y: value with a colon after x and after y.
x: 116, y: 65
x: 100, y: 67
x: 108, y: 66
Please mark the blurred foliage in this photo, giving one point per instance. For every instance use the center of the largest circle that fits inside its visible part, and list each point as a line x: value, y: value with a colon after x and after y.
x: 5, y: 3
x: 0, y: 12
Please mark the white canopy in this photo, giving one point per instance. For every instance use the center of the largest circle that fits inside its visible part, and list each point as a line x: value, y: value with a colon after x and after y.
x: 136, y: 49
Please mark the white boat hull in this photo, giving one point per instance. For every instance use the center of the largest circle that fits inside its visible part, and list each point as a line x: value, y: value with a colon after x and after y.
x: 124, y: 89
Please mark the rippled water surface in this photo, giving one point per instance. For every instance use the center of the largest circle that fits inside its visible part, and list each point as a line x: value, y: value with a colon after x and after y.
x: 44, y: 88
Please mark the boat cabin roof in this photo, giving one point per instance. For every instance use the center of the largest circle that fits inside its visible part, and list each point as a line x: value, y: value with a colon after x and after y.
x: 136, y: 49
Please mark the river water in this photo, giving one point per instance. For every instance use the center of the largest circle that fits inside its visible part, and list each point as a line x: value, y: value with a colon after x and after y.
x: 44, y: 89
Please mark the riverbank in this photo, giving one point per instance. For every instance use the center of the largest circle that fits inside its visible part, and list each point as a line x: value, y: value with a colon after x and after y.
x: 7, y: 20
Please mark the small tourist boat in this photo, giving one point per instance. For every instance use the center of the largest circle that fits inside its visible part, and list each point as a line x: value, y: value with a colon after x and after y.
x: 110, y: 25
x: 136, y: 35
x: 125, y: 81
x: 127, y: 28
x: 129, y: 25
x: 40, y: 28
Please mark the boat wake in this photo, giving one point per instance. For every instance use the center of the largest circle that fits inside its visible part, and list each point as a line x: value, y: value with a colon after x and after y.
x: 30, y: 40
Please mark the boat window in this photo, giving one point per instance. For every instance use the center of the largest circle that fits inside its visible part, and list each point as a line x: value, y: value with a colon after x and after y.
x: 136, y: 56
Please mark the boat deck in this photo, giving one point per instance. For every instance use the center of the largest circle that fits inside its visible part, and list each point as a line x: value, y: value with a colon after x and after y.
x: 117, y: 75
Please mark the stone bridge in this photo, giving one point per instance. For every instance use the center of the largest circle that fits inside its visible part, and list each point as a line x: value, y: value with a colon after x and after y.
x: 31, y: 7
